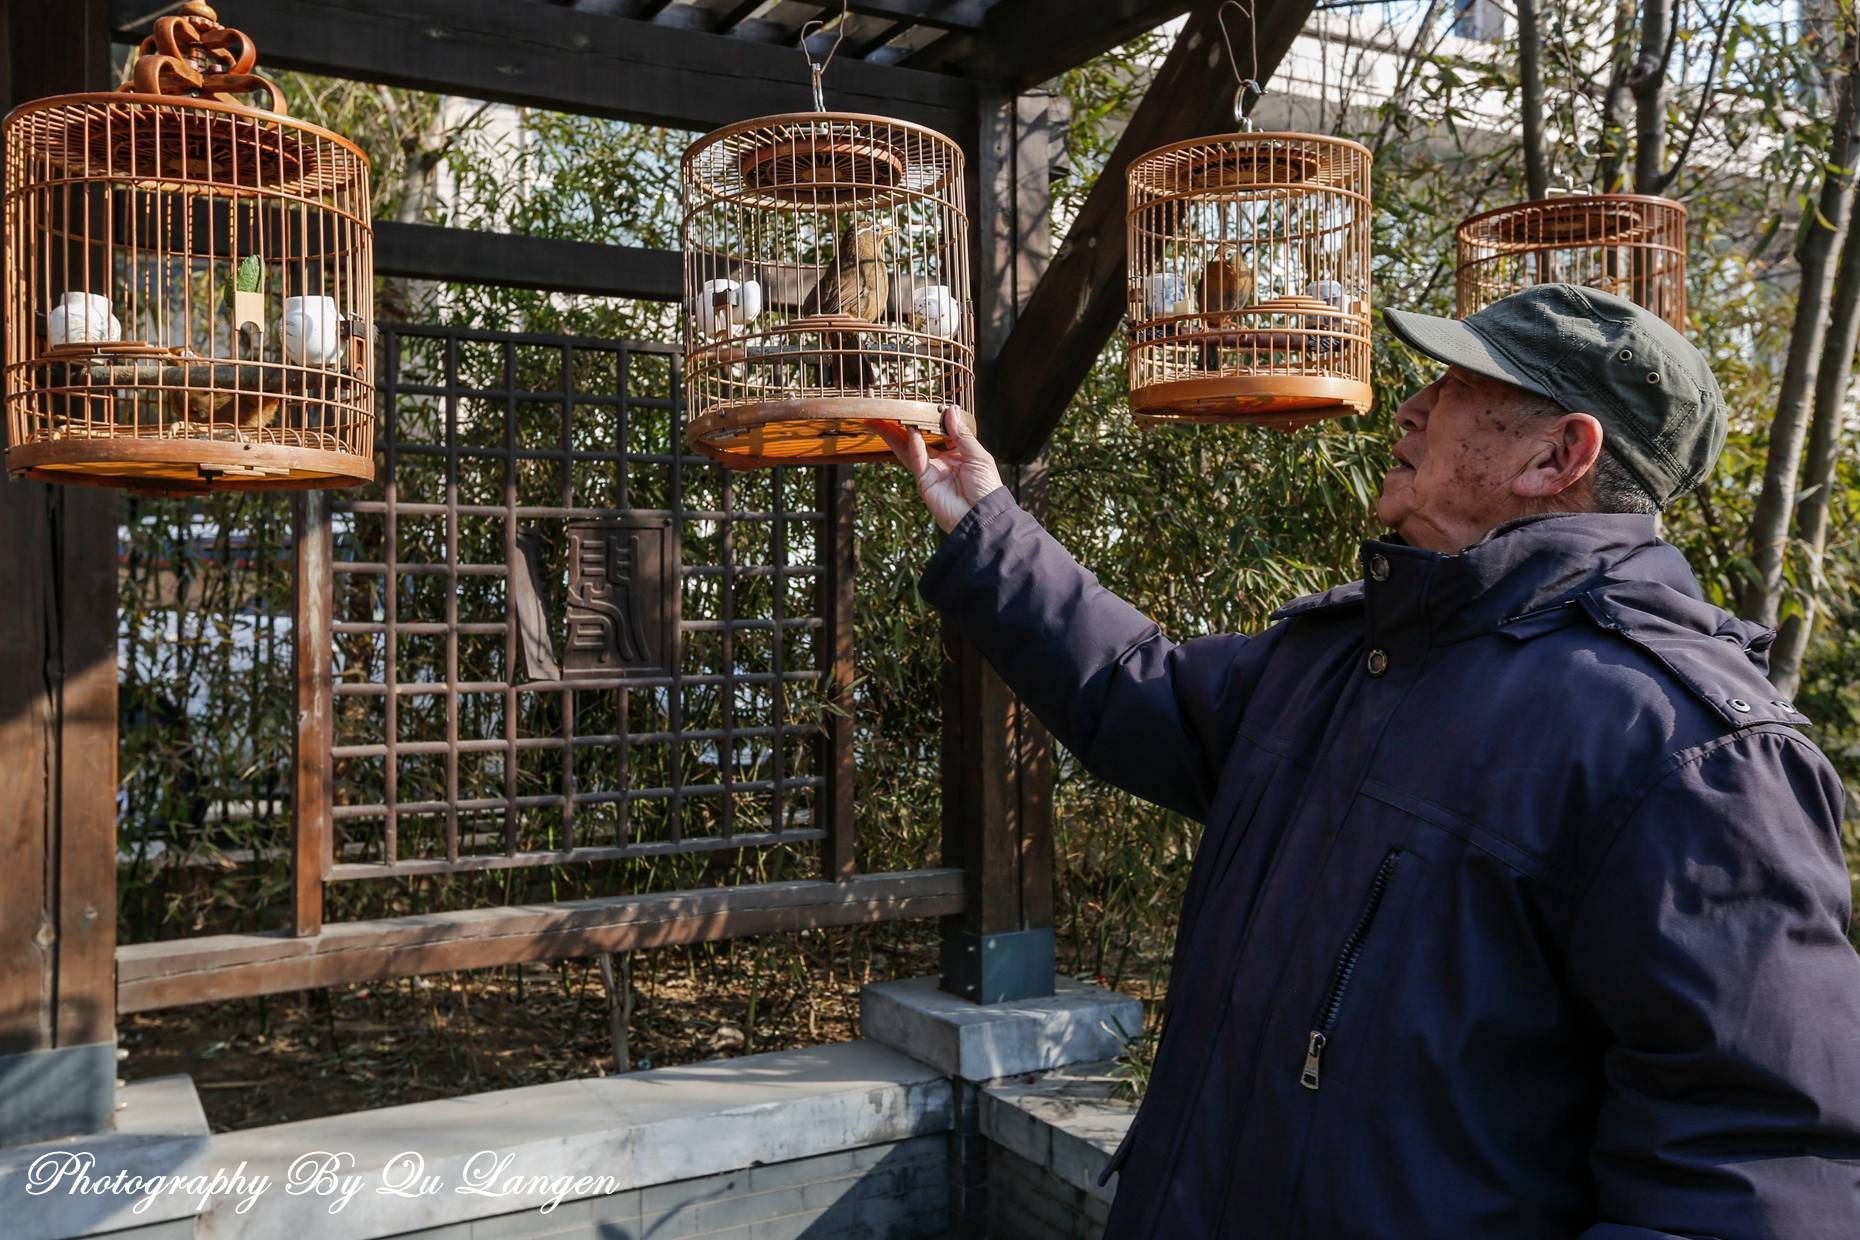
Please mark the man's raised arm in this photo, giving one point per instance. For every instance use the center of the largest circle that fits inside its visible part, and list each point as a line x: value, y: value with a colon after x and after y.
x: 1140, y: 711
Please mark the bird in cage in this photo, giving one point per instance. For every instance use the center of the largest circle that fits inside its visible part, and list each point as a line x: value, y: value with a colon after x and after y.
x: 193, y: 409
x: 856, y: 285
x: 1226, y: 284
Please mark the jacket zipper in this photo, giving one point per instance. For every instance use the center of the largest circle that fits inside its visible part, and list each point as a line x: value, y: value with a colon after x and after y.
x: 1346, y: 967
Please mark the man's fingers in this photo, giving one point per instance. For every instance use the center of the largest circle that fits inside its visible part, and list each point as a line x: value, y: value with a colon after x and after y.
x: 959, y: 433
x: 916, y: 454
x: 952, y: 424
x: 905, y: 444
x: 893, y: 435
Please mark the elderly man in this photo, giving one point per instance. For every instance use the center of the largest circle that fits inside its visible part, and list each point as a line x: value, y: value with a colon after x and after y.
x: 1520, y: 909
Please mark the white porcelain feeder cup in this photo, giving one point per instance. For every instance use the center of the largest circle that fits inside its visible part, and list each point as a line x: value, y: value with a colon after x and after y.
x: 82, y: 318
x: 311, y: 328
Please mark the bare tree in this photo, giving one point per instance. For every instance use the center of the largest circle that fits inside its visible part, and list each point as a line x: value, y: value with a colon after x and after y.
x: 1646, y: 82
x: 1531, y: 99
x: 1833, y: 383
x: 1617, y: 101
x: 1819, y: 234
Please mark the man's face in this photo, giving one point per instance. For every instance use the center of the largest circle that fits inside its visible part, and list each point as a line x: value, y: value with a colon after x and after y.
x: 1465, y: 443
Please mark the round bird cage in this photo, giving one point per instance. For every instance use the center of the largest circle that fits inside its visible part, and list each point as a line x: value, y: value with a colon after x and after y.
x: 1248, y: 280
x: 188, y: 281
x: 826, y: 288
x: 1631, y: 245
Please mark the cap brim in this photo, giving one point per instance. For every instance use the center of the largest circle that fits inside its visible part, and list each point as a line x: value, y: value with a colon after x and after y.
x: 1453, y: 342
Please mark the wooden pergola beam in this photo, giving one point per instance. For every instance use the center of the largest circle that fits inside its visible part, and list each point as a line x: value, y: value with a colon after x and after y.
x: 1079, y: 302
x: 1021, y: 43
x: 938, y: 14
x: 1025, y: 42
x: 467, y: 256
x: 568, y: 60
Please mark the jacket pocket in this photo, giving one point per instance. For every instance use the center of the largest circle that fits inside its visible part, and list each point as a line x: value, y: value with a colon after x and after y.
x: 1344, y: 971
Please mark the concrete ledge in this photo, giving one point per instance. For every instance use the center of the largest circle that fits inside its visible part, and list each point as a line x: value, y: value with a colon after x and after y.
x: 65, y: 1091
x: 984, y: 1042
x: 642, y: 1129
x: 161, y: 1131
x: 1069, y: 1123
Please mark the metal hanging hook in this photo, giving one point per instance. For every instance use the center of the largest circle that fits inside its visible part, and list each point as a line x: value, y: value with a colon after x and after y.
x: 819, y: 68
x: 1243, y: 105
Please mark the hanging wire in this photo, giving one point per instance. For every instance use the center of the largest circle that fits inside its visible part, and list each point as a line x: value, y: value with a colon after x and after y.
x: 1567, y: 183
x: 819, y: 68
x: 1242, y: 103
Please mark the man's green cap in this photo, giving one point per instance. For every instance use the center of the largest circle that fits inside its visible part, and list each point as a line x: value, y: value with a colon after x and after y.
x: 1592, y: 352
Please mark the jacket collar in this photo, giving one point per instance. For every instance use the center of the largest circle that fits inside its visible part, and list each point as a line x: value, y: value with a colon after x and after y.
x: 1522, y: 568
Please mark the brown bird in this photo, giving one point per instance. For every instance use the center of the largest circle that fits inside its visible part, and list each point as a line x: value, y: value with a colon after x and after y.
x: 247, y: 411
x: 855, y: 284
x: 197, y: 409
x: 1226, y: 284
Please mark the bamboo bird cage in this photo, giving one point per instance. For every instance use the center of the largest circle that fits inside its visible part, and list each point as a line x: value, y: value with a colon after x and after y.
x: 826, y: 288
x: 188, y: 280
x: 1631, y: 245
x: 1248, y: 280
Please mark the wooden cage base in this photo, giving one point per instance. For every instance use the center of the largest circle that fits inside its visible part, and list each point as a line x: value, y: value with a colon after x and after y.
x: 828, y: 431
x: 189, y: 466
x: 1283, y: 401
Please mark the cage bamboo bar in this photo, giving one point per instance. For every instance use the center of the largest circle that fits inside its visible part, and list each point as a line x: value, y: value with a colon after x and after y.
x: 1631, y: 245
x: 826, y: 288
x: 1248, y: 280
x: 188, y: 281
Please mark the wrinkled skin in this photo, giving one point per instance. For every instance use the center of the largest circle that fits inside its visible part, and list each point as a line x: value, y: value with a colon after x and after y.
x: 1476, y: 453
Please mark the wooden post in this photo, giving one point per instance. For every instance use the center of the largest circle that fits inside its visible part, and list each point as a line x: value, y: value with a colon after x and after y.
x: 311, y: 650
x: 835, y: 540
x: 57, y: 720
x: 997, y: 760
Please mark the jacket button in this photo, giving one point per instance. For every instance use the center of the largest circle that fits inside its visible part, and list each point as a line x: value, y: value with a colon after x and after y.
x: 1378, y: 661
x: 1779, y: 704
x: 1379, y: 567
x: 1740, y: 706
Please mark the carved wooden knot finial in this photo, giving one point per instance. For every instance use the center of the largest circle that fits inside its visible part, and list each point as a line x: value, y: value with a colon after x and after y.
x: 190, y: 53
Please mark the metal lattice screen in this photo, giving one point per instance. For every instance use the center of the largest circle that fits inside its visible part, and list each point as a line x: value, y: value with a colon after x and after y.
x: 559, y: 637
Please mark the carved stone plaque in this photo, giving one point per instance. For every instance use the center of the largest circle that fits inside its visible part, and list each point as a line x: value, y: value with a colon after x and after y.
x: 622, y: 598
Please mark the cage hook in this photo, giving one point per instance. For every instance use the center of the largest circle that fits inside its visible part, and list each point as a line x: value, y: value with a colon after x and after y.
x: 818, y: 69
x: 1585, y: 153
x: 1250, y: 88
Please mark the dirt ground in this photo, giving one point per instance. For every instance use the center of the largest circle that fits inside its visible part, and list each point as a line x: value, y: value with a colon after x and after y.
x: 302, y: 1055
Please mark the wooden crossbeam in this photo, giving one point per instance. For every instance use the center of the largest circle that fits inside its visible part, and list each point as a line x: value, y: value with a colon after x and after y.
x: 1080, y: 300
x: 938, y: 14
x: 567, y: 60
x: 466, y: 256
x: 1021, y: 43
x: 728, y: 19
x: 176, y: 972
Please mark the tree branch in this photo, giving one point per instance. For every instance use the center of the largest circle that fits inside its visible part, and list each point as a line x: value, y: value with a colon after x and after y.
x: 1665, y: 179
x: 1820, y: 231
x: 1531, y: 100
x: 1659, y: 23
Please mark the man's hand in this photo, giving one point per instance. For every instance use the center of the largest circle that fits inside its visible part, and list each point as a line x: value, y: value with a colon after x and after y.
x: 953, y: 480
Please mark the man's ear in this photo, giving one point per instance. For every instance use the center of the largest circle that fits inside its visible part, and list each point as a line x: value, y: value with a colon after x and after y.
x: 1564, y: 451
